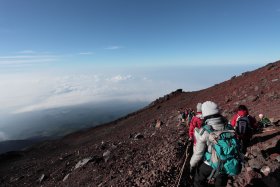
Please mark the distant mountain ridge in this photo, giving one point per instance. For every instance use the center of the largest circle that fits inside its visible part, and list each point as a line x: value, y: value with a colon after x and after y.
x: 12, y: 145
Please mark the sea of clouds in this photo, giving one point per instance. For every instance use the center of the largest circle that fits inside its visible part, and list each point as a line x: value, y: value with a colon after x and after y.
x: 31, y: 91
x: 26, y: 92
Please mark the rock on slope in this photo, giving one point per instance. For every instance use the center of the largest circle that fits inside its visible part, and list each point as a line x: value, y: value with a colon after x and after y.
x: 131, y: 151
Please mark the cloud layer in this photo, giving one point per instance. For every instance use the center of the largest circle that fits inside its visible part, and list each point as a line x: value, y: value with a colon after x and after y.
x: 3, y: 136
x: 28, y: 93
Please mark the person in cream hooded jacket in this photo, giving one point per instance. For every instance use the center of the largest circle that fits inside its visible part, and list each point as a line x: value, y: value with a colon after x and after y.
x: 213, y: 118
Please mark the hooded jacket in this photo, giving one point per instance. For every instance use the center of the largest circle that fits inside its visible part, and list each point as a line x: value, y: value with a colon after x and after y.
x: 196, y: 122
x: 202, y: 142
x: 242, y: 113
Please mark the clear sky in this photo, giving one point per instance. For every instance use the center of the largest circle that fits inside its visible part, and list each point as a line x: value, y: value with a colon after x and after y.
x: 62, y: 52
x: 141, y: 31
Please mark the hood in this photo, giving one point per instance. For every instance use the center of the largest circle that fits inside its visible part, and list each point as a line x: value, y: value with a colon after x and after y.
x: 216, y: 123
x: 199, y: 115
x: 242, y: 113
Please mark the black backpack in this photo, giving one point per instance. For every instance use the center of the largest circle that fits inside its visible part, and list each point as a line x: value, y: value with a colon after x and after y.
x: 243, y: 125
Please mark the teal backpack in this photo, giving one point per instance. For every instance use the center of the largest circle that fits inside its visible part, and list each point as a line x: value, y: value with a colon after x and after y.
x: 226, y: 156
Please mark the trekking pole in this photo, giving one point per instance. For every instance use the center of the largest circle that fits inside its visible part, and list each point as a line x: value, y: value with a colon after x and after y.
x: 183, y: 167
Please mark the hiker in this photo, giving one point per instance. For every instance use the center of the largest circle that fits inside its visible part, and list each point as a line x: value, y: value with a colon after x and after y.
x: 244, y: 125
x: 190, y: 116
x: 195, y: 124
x: 158, y: 123
x: 205, y: 157
x: 186, y: 112
x: 263, y: 122
x: 181, y: 117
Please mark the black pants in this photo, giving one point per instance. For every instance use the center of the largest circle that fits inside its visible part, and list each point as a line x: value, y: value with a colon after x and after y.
x: 203, y: 172
x: 245, y: 143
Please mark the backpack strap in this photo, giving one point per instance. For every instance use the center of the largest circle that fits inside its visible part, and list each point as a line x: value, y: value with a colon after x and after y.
x: 207, y: 128
x: 218, y: 133
x: 250, y: 122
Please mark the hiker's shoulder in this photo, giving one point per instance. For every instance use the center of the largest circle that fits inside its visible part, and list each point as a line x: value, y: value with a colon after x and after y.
x: 252, y: 118
x: 205, y: 130
x: 195, y: 118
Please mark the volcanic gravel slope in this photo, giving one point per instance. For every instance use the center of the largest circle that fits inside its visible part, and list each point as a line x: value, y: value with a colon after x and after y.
x: 131, y: 151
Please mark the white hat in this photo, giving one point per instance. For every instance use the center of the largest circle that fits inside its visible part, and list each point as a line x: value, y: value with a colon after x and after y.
x: 260, y: 115
x: 198, y: 107
x: 209, y: 108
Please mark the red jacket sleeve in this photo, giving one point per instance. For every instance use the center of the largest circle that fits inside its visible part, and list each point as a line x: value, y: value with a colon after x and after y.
x: 191, y: 129
x: 233, y: 120
x: 196, y: 122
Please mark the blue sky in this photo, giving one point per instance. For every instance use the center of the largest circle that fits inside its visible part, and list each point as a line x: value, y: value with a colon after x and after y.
x: 142, y: 31
x: 53, y: 50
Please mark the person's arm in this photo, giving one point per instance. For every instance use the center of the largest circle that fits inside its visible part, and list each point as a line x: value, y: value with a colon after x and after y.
x: 233, y: 121
x: 199, y: 150
x: 191, y: 129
